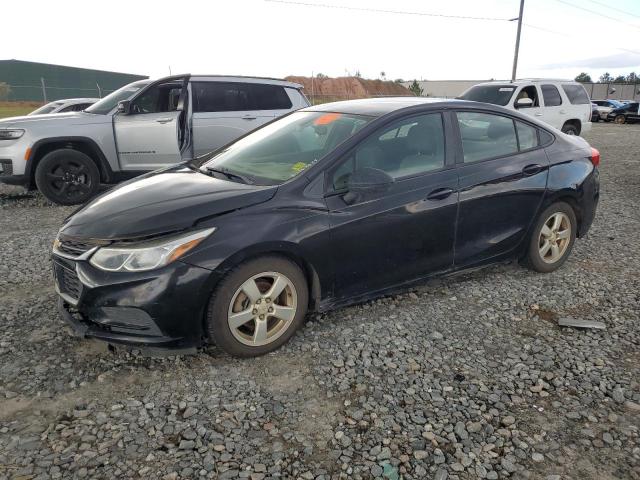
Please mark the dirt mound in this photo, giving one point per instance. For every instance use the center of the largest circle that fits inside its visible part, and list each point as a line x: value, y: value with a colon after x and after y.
x: 350, y: 87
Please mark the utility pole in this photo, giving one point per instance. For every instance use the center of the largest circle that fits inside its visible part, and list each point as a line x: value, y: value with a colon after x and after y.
x: 515, y: 54
x: 44, y: 90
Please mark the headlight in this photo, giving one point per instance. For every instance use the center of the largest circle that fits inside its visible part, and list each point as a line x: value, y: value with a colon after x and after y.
x: 11, y: 134
x: 147, y: 255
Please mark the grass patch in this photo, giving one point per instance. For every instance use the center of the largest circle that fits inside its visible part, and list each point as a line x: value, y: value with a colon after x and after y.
x: 16, y: 109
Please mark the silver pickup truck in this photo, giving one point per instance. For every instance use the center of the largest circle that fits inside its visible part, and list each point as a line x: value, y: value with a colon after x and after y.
x: 143, y: 126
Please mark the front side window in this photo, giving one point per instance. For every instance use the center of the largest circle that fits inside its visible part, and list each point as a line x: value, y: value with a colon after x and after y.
x: 528, y: 92
x: 486, y: 136
x: 283, y: 149
x: 405, y: 148
x: 551, y: 96
x: 159, y: 98
x: 576, y: 94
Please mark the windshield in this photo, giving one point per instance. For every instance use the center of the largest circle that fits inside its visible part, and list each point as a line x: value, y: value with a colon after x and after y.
x: 108, y: 103
x: 282, y: 149
x: 48, y: 108
x: 495, y: 94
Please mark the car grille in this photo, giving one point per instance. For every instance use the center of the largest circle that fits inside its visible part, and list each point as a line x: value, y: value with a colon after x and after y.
x: 68, y: 281
x: 7, y: 168
x: 74, y: 248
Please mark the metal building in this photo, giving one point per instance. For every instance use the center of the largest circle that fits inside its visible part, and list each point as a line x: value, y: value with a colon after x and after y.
x: 43, y: 82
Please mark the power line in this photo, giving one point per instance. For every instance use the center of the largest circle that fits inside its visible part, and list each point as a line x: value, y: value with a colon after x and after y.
x: 573, y: 36
x: 614, y: 8
x: 598, y: 14
x: 379, y: 10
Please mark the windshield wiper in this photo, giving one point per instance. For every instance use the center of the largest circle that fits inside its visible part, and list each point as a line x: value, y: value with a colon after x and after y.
x: 230, y: 175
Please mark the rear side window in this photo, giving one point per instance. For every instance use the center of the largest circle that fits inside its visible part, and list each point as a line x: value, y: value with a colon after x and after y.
x: 527, y: 136
x: 551, y: 96
x: 576, y: 94
x: 486, y: 136
x: 238, y: 97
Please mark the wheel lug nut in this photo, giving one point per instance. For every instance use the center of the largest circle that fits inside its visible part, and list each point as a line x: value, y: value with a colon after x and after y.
x: 254, y: 311
x: 270, y: 310
x: 268, y: 300
x: 258, y: 301
x: 261, y: 317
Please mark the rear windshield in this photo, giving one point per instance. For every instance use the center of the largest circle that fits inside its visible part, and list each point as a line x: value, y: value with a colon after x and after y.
x: 495, y: 94
x: 576, y: 93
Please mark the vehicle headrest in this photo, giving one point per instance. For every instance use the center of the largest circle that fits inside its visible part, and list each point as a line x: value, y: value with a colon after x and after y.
x: 420, y: 139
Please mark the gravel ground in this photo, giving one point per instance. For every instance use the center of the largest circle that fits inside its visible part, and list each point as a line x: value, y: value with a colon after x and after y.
x: 466, y: 377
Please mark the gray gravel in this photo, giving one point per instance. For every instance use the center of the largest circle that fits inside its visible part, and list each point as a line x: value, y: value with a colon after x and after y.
x: 466, y: 377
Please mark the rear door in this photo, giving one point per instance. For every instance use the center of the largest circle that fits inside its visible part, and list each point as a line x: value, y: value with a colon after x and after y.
x: 503, y: 176
x: 555, y: 112
x: 150, y: 136
x: 224, y: 111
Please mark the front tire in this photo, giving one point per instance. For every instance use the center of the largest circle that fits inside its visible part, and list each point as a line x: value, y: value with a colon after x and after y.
x: 620, y: 119
x: 553, y: 238
x: 258, y: 306
x: 67, y: 177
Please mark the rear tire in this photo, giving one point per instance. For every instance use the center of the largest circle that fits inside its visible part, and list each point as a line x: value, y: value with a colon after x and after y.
x: 67, y: 177
x: 570, y: 129
x: 552, y: 238
x: 258, y: 306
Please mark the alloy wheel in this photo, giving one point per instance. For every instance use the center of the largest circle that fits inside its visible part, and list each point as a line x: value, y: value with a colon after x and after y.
x: 262, y: 309
x: 555, y: 237
x: 69, y: 179
x: 619, y: 119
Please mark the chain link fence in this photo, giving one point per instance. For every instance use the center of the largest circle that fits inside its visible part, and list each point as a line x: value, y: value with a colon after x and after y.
x: 47, y: 93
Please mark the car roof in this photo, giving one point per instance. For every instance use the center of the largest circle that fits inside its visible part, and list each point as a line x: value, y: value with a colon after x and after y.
x: 245, y: 79
x: 380, y: 106
x: 527, y: 81
x: 78, y: 100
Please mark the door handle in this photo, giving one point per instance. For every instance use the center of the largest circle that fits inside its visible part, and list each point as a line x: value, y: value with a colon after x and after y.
x: 538, y: 114
x: 164, y: 120
x: 563, y: 111
x: 248, y: 117
x: 532, y: 169
x: 440, y: 193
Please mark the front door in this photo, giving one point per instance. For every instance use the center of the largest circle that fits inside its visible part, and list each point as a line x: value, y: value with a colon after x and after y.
x: 406, y: 232
x: 535, y: 110
x: 150, y: 135
x: 224, y: 111
x: 503, y: 178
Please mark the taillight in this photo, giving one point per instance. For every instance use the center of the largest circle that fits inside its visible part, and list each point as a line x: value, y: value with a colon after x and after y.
x: 595, y: 157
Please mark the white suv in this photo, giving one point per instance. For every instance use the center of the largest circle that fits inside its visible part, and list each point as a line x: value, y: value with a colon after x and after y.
x: 563, y: 104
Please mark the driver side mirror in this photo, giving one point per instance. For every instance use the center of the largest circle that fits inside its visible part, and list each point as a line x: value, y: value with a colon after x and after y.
x: 365, y: 183
x: 524, y: 103
x: 124, y: 107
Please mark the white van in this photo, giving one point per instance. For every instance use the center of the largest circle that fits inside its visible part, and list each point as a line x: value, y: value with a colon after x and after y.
x: 563, y: 104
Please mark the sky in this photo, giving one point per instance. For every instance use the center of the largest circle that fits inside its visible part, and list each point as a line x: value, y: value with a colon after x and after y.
x: 276, y: 38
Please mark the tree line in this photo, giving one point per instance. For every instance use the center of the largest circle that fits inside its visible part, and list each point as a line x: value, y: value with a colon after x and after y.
x: 632, y: 78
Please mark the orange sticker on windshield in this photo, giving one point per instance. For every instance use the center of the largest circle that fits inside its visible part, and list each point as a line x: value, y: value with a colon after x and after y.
x: 327, y: 118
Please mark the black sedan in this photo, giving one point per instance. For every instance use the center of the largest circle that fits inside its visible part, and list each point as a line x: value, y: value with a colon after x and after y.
x: 627, y: 113
x: 328, y: 206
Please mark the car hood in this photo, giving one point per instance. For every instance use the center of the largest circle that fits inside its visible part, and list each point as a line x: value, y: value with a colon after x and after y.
x: 161, y: 202
x: 68, y: 118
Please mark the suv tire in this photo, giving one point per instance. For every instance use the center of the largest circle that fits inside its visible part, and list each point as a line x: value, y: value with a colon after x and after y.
x: 262, y: 322
x: 67, y: 177
x: 570, y: 129
x: 620, y: 119
x: 552, y: 238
